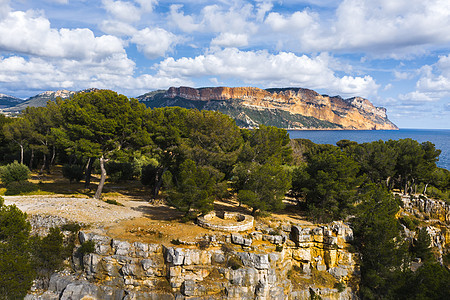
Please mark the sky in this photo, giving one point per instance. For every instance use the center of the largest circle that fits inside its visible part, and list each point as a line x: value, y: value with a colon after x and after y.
x: 394, y: 53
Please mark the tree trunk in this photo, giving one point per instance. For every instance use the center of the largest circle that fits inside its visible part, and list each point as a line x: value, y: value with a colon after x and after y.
x: 43, y: 165
x: 405, y: 191
x: 158, y: 183
x: 50, y: 162
x: 31, y: 159
x: 21, y: 154
x: 98, y: 193
x: 254, y: 211
x: 87, y: 178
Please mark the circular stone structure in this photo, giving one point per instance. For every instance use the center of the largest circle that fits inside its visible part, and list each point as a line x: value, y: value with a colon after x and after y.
x: 226, y: 221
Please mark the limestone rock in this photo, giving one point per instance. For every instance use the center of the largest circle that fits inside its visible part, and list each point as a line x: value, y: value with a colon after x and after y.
x: 258, y: 261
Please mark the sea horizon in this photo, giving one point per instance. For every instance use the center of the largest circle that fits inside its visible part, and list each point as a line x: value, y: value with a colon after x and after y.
x: 439, y: 137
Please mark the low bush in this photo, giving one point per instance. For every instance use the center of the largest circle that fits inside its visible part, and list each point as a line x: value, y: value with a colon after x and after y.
x: 14, y: 172
x: 86, y: 248
x: 434, y: 192
x: 175, y: 242
x: 72, y: 227
x: 49, y: 253
x: 234, y: 262
x: 340, y: 286
x: 203, y: 244
x: 113, y: 202
x: 73, y: 172
x: 20, y: 187
x: 410, y: 223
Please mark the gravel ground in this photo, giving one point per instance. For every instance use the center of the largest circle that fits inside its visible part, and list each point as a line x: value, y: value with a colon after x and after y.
x: 84, y: 210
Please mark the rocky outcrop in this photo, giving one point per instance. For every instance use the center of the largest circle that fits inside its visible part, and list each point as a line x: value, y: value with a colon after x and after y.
x: 424, y: 207
x: 261, y: 264
x: 241, y: 102
x: 436, y: 216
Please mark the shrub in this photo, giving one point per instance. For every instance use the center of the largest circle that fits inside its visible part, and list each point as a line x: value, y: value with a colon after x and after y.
x: 234, y: 262
x: 340, y: 286
x: 139, y: 162
x: 14, y: 172
x: 86, y: 248
x: 119, y: 171
x: 20, y: 187
x: 203, y: 244
x: 16, y: 268
x: 176, y: 242
x: 437, y: 193
x: 72, y: 227
x: 49, y: 253
x: 410, y: 223
x: 113, y: 202
x: 73, y: 172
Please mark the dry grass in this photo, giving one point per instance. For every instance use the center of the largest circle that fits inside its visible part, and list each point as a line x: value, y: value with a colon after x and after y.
x: 321, y: 279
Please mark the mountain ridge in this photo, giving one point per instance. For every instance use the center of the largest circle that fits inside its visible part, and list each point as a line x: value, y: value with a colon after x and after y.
x: 290, y: 108
x: 9, y: 101
x: 296, y: 108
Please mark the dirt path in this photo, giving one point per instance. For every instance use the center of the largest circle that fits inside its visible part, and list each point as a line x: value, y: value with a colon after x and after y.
x: 83, y: 210
x: 136, y: 220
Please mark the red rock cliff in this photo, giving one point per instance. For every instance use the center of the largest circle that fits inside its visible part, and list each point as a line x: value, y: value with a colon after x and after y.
x: 352, y: 113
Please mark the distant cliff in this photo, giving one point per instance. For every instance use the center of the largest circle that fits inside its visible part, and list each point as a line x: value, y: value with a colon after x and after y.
x: 41, y: 99
x: 292, y: 108
x: 8, y: 101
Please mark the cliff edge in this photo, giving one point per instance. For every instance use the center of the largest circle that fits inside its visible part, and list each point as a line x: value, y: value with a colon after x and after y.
x: 291, y: 108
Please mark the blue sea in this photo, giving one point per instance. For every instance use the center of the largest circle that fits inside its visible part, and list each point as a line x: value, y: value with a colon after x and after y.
x: 439, y: 137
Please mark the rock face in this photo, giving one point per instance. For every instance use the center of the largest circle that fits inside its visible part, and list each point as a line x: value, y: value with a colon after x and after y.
x: 293, y: 108
x: 41, y: 99
x: 8, y: 101
x: 436, y: 214
x: 281, y: 267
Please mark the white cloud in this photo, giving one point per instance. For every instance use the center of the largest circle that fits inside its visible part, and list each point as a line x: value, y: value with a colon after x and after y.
x: 263, y: 68
x: 183, y: 22
x: 25, y: 32
x: 432, y: 86
x: 230, y: 40
x: 4, y: 8
x: 117, y: 28
x: 147, y: 5
x: 58, y: 1
x: 435, y: 79
x: 116, y: 73
x: 416, y: 97
x: 381, y: 27
x: 154, y: 42
x: 263, y: 7
x: 237, y: 18
x: 403, y: 75
x: 297, y: 21
x: 122, y: 10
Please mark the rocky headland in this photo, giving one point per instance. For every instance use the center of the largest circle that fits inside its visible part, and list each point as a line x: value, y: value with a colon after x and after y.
x: 291, y: 108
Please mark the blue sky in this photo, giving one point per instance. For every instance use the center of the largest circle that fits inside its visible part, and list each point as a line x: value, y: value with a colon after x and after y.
x: 395, y: 53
